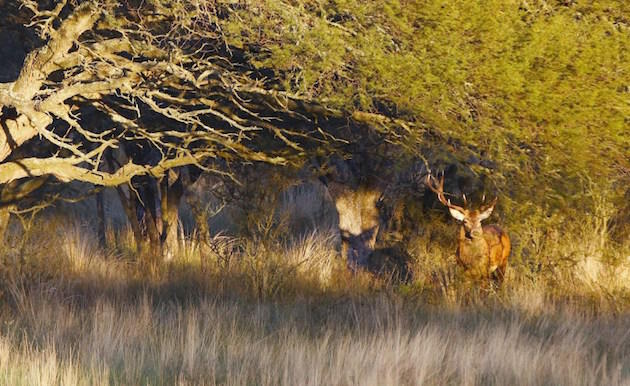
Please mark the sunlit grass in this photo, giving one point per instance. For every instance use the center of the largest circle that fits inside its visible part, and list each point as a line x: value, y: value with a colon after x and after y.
x: 288, y: 312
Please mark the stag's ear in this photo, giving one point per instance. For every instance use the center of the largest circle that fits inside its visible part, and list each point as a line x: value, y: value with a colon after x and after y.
x: 457, y: 215
x: 486, y: 212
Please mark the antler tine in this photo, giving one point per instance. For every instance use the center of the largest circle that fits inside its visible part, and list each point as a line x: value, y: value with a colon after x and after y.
x: 438, y: 189
x: 490, y: 204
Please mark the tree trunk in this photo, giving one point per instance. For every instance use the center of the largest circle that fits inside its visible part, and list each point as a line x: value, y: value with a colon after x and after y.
x: 200, y: 214
x: 129, y: 206
x: 154, y: 215
x: 5, y: 215
x: 359, y: 221
x: 100, y: 213
x: 172, y: 193
x: 149, y: 201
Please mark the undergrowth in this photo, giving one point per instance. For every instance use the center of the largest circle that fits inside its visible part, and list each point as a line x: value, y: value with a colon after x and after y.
x: 286, y: 310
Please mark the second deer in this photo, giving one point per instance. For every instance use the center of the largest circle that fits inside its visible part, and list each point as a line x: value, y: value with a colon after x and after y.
x: 482, y: 251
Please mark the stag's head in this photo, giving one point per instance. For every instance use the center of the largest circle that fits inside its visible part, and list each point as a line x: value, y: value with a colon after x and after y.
x: 470, y: 218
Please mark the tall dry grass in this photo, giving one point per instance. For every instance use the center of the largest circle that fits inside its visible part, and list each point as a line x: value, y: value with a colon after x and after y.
x: 284, y: 310
x: 375, y: 341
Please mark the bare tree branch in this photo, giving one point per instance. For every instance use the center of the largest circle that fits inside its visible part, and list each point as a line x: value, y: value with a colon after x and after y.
x: 166, y: 87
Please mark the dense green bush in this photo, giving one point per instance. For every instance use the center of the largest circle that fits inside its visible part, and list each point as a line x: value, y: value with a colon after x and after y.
x: 541, y: 88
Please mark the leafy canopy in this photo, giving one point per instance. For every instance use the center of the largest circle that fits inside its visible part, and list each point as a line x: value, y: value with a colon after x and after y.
x: 540, y: 87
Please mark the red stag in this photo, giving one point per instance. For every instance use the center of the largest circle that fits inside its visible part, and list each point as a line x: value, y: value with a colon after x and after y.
x: 482, y: 250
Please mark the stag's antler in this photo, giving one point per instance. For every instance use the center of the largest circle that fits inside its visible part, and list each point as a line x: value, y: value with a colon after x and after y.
x: 438, y: 188
x: 489, y: 205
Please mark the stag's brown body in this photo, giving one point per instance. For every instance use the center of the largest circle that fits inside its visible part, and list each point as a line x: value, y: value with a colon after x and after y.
x: 485, y: 257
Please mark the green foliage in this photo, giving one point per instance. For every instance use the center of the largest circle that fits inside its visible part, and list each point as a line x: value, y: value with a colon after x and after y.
x: 541, y: 87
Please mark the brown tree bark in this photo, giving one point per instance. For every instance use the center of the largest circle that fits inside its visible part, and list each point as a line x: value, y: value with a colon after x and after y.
x: 359, y: 221
x: 101, y: 221
x: 5, y: 216
x: 172, y: 193
x: 129, y: 206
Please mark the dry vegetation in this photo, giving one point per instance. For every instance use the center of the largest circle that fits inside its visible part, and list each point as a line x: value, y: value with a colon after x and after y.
x: 283, y: 310
x: 530, y: 105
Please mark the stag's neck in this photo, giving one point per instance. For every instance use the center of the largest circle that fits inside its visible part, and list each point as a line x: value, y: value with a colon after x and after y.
x: 471, y: 251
